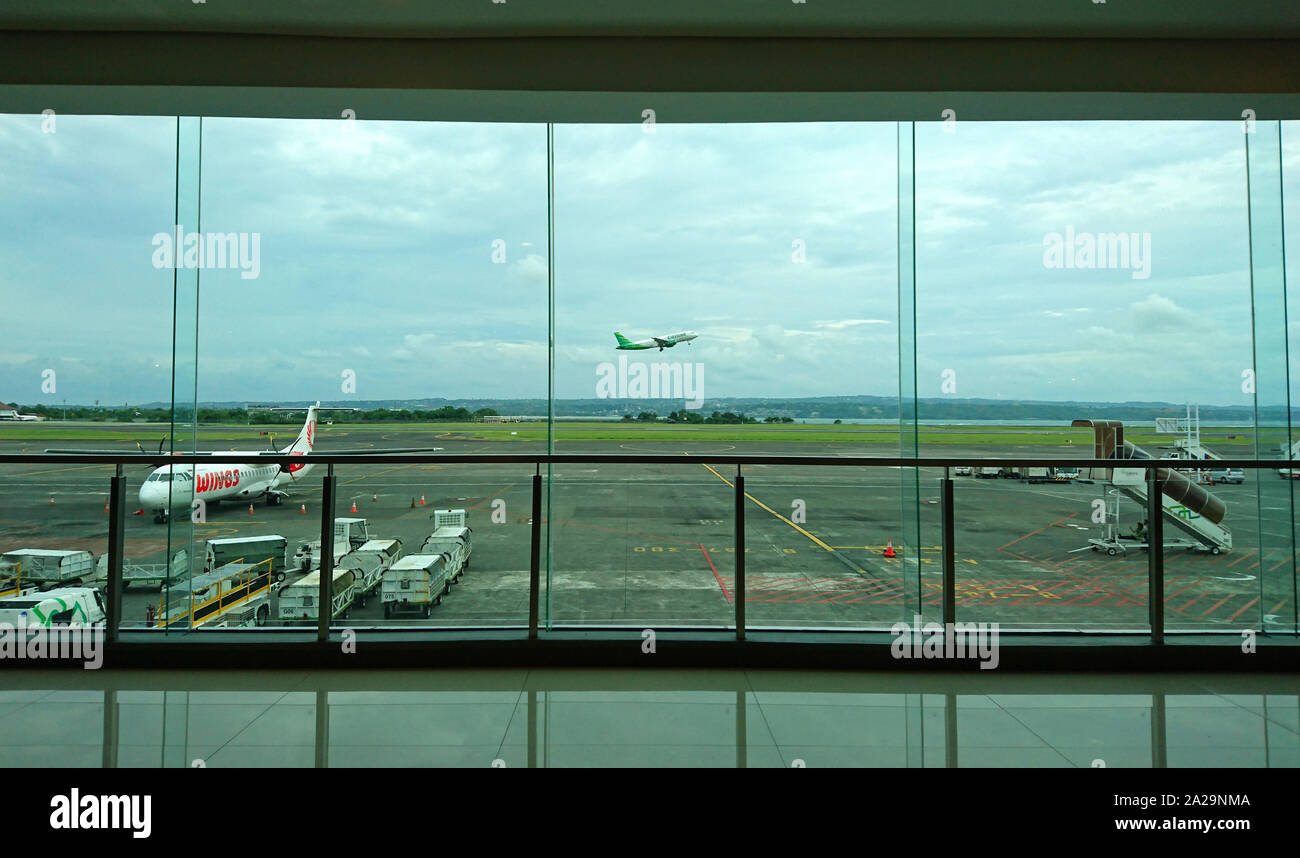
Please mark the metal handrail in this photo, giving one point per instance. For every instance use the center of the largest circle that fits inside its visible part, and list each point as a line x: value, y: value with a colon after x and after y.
x: 636, y: 459
x: 118, y: 505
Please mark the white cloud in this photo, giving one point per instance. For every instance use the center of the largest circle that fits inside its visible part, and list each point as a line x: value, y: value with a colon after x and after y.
x: 848, y: 323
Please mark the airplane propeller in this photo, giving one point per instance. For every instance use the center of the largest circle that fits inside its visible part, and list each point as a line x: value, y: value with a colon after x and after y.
x: 161, y: 442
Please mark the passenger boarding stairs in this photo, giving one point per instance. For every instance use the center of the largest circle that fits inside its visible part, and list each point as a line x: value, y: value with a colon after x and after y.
x: 1194, y: 450
x: 1186, y: 505
x: 1215, y: 537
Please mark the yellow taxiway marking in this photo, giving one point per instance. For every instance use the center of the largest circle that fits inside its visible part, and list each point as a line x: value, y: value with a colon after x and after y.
x: 772, y: 511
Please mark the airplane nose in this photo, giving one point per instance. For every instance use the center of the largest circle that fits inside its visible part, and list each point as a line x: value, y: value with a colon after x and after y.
x: 150, y: 498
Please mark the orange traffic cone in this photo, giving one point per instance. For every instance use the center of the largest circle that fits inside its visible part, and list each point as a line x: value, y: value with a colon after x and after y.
x: 889, y: 549
x: 138, y: 512
x: 52, y: 500
x: 374, y: 497
x: 421, y: 500
x: 302, y: 509
x: 105, y: 507
x: 354, y: 506
x: 250, y: 509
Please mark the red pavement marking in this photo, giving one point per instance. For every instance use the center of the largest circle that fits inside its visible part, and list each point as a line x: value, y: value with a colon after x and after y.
x: 1035, y: 586
x: 1279, y: 563
x: 830, y: 600
x: 809, y: 592
x: 834, y: 598
x: 1244, y: 609
x: 1184, y: 590
x: 794, y: 585
x: 1082, y: 595
x: 1140, y: 573
x: 1097, y: 586
x: 1040, y: 530
x: 1218, y: 604
x: 1241, y: 558
x: 489, y: 497
x: 1077, y: 585
x: 726, y: 595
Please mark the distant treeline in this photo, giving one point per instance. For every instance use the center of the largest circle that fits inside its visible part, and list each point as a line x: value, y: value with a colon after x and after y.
x: 240, y: 415
x: 685, y: 416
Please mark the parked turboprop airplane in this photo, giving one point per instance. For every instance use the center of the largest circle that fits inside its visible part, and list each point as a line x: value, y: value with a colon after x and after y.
x: 173, y: 487
x: 665, y: 342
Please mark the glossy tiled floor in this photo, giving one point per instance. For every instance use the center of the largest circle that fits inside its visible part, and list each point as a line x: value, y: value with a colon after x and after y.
x: 644, y: 718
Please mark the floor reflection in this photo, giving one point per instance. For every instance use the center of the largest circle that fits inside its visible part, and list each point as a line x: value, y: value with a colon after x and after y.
x: 595, y: 718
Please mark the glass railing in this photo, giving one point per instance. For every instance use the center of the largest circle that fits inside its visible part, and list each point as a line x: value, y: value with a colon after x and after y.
x: 636, y: 542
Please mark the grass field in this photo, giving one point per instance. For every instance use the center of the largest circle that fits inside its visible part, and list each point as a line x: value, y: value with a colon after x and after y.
x: 250, y: 438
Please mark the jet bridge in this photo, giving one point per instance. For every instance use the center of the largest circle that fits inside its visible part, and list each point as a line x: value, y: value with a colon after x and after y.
x: 1186, y: 505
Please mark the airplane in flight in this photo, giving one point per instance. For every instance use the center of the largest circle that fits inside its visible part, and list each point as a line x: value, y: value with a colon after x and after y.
x: 172, y: 487
x: 665, y: 342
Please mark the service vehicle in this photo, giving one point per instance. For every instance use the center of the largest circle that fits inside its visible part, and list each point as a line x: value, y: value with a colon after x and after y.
x: 415, y: 584
x: 62, y: 606
x: 349, y: 535
x: 455, y: 543
x: 46, y: 567
x: 369, y: 563
x: 153, y: 574
x: 249, y: 549
x: 962, y: 471
x: 235, y: 594
x: 300, y: 600
x: 988, y: 473
x: 11, y: 578
x: 1236, y: 476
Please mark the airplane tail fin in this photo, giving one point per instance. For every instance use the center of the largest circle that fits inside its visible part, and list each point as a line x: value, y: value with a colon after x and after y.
x: 622, y: 340
x: 306, y: 436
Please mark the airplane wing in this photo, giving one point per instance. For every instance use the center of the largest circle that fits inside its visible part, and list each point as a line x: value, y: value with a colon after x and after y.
x: 662, y: 343
x: 136, y: 453
x: 229, y: 452
x: 139, y: 451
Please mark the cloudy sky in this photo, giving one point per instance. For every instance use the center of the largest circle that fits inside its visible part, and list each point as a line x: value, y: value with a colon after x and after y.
x: 414, y: 256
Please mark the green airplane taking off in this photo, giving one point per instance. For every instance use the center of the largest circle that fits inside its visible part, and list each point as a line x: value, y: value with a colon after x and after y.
x: 665, y: 342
